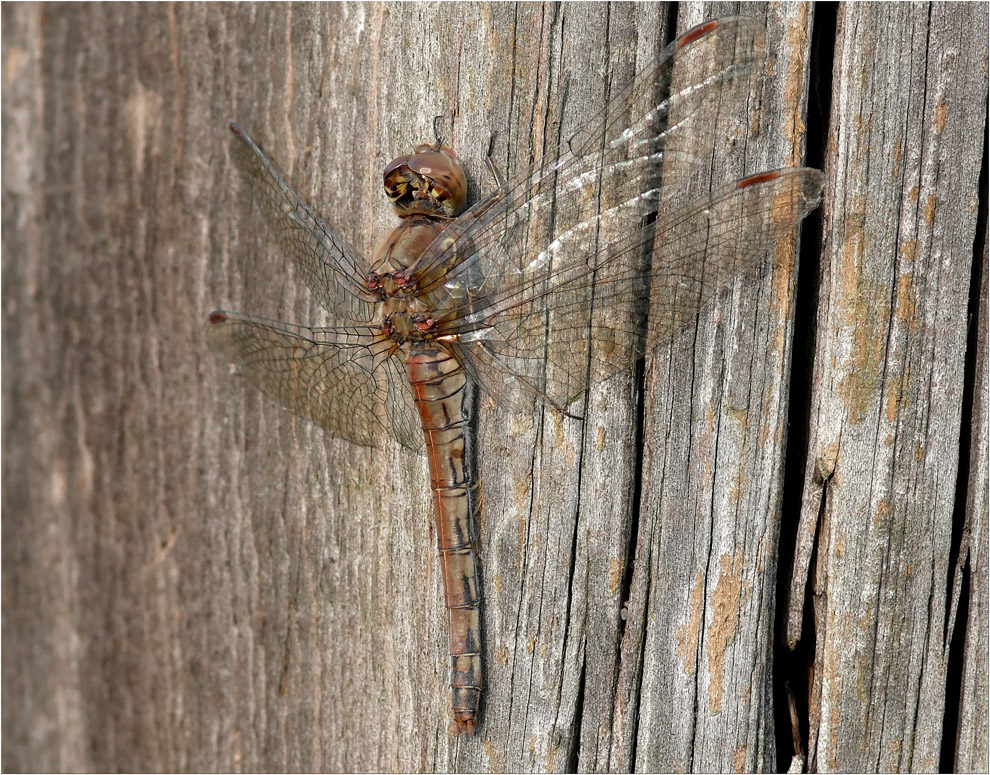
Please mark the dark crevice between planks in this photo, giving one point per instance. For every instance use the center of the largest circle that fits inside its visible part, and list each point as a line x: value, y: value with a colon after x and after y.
x: 954, y: 678
x: 629, y: 555
x: 792, y: 669
x: 957, y: 610
x: 669, y: 28
x: 577, y: 719
x: 574, y: 747
x: 639, y: 386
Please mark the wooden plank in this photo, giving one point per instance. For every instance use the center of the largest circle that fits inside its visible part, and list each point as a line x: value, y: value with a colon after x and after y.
x: 558, y: 523
x: 973, y: 742
x: 225, y: 587
x: 696, y: 659
x: 909, y: 97
x: 41, y: 540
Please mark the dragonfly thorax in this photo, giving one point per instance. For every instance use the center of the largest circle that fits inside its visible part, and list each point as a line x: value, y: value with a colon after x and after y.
x: 398, y: 255
x: 407, y: 310
x: 402, y: 324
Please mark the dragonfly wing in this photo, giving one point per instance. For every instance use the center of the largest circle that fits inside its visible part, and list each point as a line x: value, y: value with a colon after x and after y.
x: 705, y: 246
x: 585, y: 321
x: 344, y: 379
x: 651, y: 137
x: 331, y: 269
x: 549, y: 279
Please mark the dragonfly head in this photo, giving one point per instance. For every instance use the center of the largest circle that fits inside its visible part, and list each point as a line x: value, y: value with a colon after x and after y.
x: 429, y: 181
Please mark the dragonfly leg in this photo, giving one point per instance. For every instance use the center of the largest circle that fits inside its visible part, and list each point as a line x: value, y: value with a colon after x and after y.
x: 490, y: 162
x: 437, y: 134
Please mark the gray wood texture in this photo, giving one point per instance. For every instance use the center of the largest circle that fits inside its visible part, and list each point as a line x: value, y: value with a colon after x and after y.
x: 196, y: 580
x: 971, y: 749
x: 880, y: 486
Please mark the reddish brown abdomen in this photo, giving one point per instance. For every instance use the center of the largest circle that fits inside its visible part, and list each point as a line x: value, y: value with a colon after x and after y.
x: 439, y: 383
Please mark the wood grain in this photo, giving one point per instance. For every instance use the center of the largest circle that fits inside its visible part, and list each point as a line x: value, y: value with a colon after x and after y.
x: 882, y: 464
x: 195, y: 580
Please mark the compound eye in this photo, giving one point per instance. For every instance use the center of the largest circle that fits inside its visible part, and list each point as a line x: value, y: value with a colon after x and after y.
x: 448, y: 184
x: 397, y: 163
x: 430, y: 181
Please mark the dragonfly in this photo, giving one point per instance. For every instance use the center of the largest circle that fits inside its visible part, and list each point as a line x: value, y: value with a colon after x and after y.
x: 562, y: 276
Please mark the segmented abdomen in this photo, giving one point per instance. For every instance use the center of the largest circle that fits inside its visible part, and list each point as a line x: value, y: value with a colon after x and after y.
x: 439, y: 383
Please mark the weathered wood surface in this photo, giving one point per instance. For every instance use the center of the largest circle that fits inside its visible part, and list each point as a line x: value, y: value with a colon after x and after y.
x: 971, y: 747
x: 701, y: 607
x: 881, y: 484
x: 195, y: 580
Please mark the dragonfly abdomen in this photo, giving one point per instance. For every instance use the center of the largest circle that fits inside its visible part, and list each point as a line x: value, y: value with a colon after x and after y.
x: 439, y: 387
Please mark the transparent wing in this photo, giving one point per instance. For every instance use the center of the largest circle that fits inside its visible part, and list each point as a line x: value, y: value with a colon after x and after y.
x: 332, y: 270
x: 617, y: 161
x: 564, y: 275
x: 559, y: 331
x: 344, y: 379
